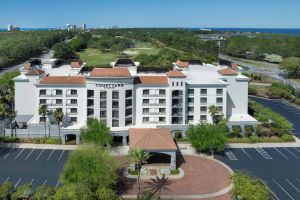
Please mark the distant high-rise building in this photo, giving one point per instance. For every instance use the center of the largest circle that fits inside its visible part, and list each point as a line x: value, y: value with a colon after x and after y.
x: 83, y: 27
x: 13, y: 28
x: 10, y: 27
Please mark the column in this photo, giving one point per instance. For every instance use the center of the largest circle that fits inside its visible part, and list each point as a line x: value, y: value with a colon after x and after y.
x: 124, y: 141
x: 63, y: 139
x: 173, y: 160
x: 77, y: 138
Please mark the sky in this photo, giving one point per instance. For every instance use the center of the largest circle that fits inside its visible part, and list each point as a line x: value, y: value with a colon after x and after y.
x: 151, y: 13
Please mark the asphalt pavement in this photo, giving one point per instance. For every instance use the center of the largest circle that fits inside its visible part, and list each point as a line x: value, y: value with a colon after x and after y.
x: 277, y: 168
x: 35, y: 166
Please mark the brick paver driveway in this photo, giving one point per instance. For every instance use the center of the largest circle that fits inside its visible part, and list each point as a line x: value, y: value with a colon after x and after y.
x: 202, y: 176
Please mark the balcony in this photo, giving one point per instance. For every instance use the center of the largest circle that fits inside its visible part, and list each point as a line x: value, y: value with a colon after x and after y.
x: 72, y: 95
x: 72, y: 104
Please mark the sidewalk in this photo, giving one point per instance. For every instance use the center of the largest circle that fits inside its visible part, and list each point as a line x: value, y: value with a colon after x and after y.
x: 38, y: 146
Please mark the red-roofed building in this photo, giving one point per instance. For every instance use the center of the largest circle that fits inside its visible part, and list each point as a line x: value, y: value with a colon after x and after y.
x: 110, y: 72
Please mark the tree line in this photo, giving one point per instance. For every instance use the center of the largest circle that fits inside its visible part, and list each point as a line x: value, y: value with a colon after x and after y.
x: 16, y: 47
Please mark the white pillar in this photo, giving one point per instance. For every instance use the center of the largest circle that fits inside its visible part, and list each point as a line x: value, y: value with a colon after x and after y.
x: 173, y: 160
x: 124, y: 141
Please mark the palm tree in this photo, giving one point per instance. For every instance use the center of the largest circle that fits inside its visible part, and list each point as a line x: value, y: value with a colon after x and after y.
x: 43, y: 111
x: 3, y: 111
x: 138, y: 157
x: 58, y: 117
x: 213, y: 110
x: 11, y: 115
x: 9, y: 97
x: 156, y: 185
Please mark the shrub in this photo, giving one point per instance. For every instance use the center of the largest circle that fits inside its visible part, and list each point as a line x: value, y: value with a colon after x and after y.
x: 53, y: 141
x: 254, y: 138
x: 74, y: 191
x: 22, y: 192
x: 6, y: 190
x: 236, y: 131
x: 249, y: 130
x: 132, y: 172
x: 8, y: 139
x: 174, y: 171
x: 288, y: 138
x: 248, y: 187
x: 252, y: 90
x: 207, y: 137
x: 43, y: 192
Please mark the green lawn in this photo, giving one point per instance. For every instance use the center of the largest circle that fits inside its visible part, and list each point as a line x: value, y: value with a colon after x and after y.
x: 95, y: 57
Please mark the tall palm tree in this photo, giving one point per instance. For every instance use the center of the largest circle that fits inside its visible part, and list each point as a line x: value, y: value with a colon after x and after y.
x: 11, y: 115
x: 138, y: 157
x: 213, y: 110
x: 43, y: 111
x: 9, y: 97
x: 3, y: 111
x: 58, y: 117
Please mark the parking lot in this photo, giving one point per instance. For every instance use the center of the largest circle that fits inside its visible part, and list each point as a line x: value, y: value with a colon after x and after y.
x: 290, y: 112
x: 278, y: 168
x: 36, y: 166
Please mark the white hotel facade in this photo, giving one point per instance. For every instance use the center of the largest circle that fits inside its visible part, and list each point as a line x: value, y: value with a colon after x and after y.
x: 124, y: 96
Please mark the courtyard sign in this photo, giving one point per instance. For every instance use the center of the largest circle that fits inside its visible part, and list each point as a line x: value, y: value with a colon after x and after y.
x: 111, y: 85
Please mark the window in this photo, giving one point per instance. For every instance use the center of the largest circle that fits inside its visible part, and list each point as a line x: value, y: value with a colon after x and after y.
x: 162, y: 110
x: 128, y: 121
x: 115, y: 104
x: 203, y: 109
x: 203, y: 91
x: 219, y: 91
x: 74, y: 101
x: 90, y: 93
x: 177, y: 83
x: 128, y: 102
x: 102, y: 104
x: 145, y: 101
x: 146, y: 92
x: 162, y: 119
x: 102, y: 94
x: 220, y: 109
x: 115, y: 113
x: 190, y: 109
x: 58, y: 93
x: 190, y: 118
x: 190, y: 100
x: 162, y: 101
x: 145, y: 110
x: 203, y: 100
x: 90, y: 102
x: 74, y: 119
x: 128, y: 93
x: 203, y: 117
x: 73, y: 110
x: 43, y: 101
x: 43, y: 119
x: 191, y: 91
x: 58, y: 101
x: 115, y: 95
x: 128, y: 112
x: 145, y: 119
x: 74, y: 92
x: 115, y: 123
x: 172, y: 83
x: 43, y: 92
x: 219, y: 100
x: 181, y: 83
x: 103, y: 113
x: 162, y: 92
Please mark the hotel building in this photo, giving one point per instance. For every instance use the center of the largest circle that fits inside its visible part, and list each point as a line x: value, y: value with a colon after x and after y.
x: 127, y: 95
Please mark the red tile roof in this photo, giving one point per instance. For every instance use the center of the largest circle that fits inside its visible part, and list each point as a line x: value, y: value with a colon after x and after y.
x: 151, y: 80
x: 76, y: 64
x: 175, y: 74
x: 35, y: 72
x: 182, y: 64
x: 62, y: 80
x: 110, y: 72
x: 227, y: 71
x: 234, y: 66
x: 151, y: 139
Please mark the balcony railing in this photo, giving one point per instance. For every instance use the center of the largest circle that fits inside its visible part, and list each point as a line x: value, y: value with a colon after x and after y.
x: 72, y: 95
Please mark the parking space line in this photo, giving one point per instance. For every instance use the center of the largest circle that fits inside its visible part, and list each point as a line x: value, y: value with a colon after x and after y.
x: 50, y: 154
x: 230, y: 155
x: 40, y: 154
x: 6, y: 180
x: 60, y: 155
x: 45, y: 182
x: 291, y: 153
x: 17, y: 183
x: 263, y: 153
x: 283, y: 189
x: 280, y: 152
x: 298, y: 180
x: 263, y: 182
x: 296, y: 149
x: 292, y: 185
x: 19, y: 154
x: 31, y: 181
x: 29, y: 154
x: 247, y: 153
x: 7, y: 154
